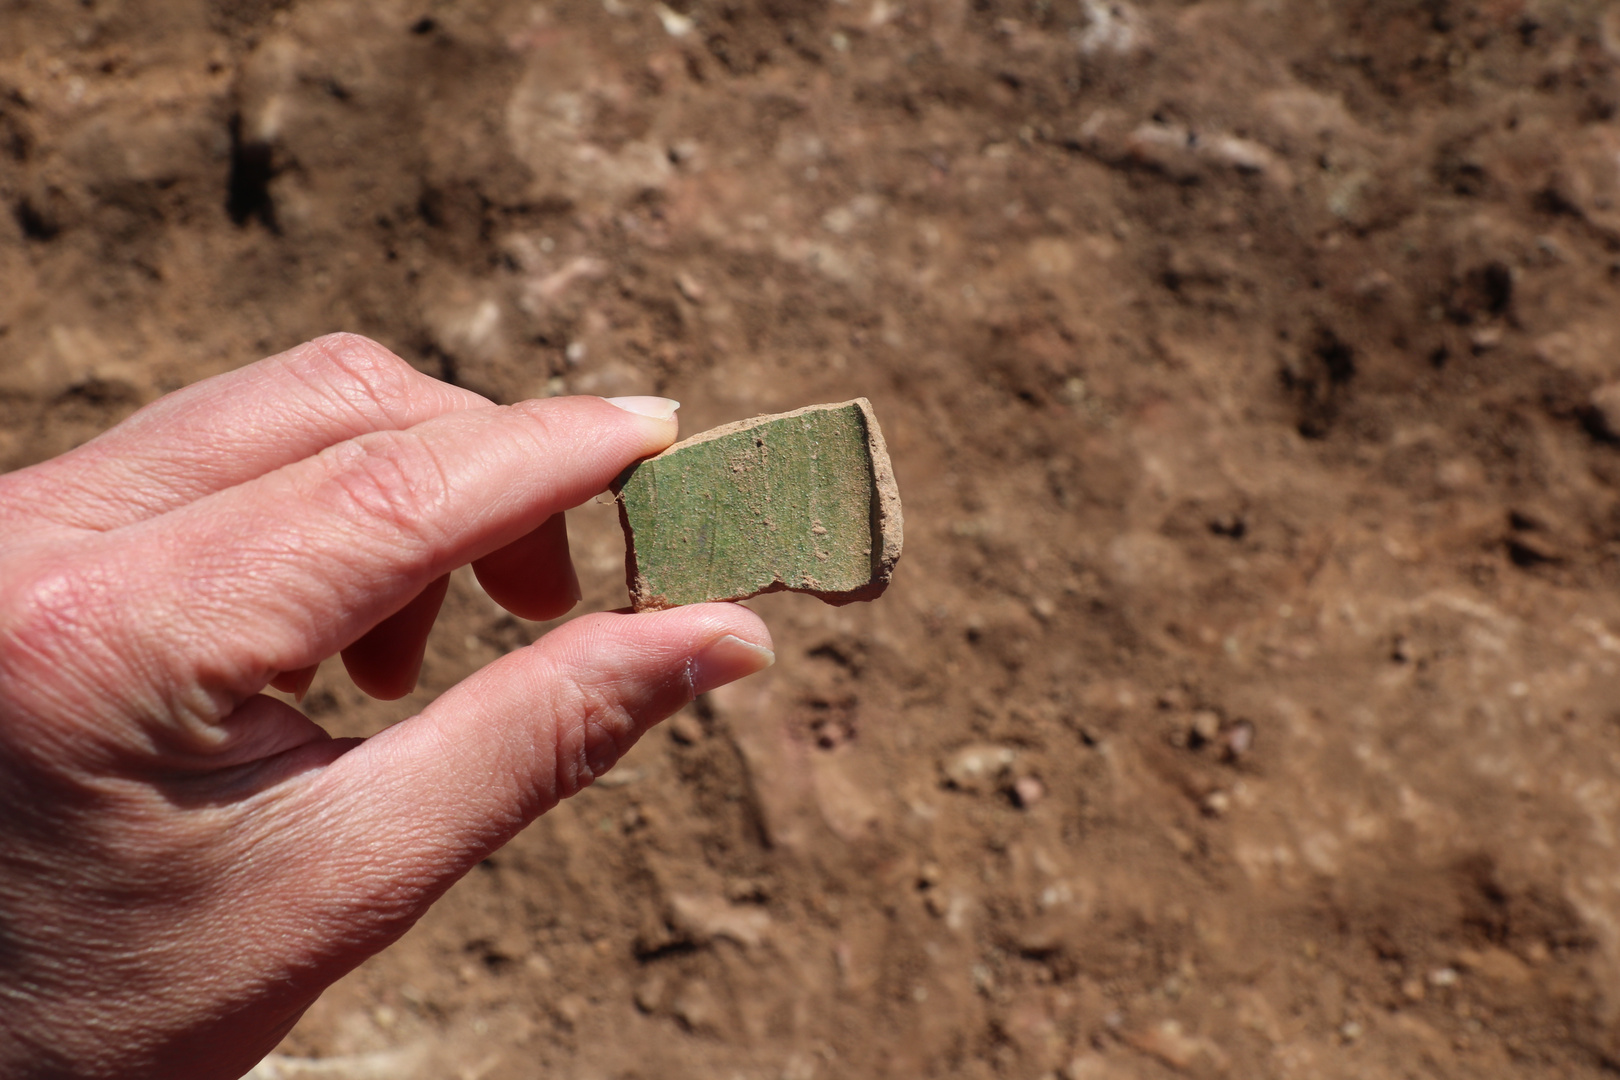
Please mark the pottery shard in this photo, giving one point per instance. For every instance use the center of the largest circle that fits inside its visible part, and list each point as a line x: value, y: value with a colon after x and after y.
x: 802, y: 501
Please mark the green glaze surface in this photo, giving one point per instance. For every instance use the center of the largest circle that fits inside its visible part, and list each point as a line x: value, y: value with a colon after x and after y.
x: 785, y: 502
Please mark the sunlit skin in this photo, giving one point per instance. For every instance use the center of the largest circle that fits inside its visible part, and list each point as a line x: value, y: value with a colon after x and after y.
x: 187, y: 862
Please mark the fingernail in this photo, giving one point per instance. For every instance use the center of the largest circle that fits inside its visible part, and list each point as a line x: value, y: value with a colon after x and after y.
x: 659, y: 408
x: 726, y: 659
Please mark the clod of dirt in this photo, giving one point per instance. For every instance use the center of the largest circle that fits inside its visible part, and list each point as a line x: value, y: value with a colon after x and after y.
x: 1177, y: 1049
x: 1093, y: 1067
x: 705, y: 918
x: 696, y: 1008
x: 803, y: 501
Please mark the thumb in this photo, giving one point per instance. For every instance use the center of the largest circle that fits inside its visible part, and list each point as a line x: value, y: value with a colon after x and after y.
x: 423, y: 802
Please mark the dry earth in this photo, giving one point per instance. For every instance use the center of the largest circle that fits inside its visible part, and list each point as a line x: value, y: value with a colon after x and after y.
x: 1246, y: 702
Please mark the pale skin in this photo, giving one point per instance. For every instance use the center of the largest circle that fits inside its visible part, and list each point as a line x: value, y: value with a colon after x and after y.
x: 186, y: 862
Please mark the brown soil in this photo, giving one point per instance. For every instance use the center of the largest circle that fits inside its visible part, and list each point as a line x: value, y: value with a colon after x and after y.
x: 1246, y: 701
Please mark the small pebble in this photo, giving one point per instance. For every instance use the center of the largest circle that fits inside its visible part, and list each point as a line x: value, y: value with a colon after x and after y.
x: 676, y: 25
x: 696, y: 1008
x: 1240, y: 739
x: 1206, y: 725
x: 977, y: 768
x: 689, y: 287
x: 570, y: 1008
x: 1028, y: 791
x: 649, y: 995
x: 1606, y: 403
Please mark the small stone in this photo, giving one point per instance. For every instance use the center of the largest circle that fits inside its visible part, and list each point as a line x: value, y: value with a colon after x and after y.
x: 1606, y: 404
x: 803, y: 501
x: 1093, y: 1067
x: 704, y: 919
x: 676, y: 25
x: 1028, y: 791
x: 1168, y: 1042
x: 570, y: 1008
x: 696, y: 1008
x: 689, y: 287
x: 1206, y: 725
x: 1044, y: 935
x: 1240, y: 739
x: 649, y: 994
x: 978, y: 768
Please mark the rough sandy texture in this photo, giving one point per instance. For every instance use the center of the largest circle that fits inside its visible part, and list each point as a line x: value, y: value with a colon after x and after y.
x: 802, y: 501
x: 1247, y: 700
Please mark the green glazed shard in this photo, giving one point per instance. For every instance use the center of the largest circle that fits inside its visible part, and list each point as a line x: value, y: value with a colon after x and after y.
x: 803, y: 501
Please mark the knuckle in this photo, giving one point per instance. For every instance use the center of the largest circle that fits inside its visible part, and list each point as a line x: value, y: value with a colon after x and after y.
x: 49, y: 610
x: 539, y: 426
x: 390, y: 479
x: 601, y: 732
x: 364, y: 375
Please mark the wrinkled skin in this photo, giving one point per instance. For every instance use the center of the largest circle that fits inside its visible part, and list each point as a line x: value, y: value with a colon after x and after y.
x: 186, y: 862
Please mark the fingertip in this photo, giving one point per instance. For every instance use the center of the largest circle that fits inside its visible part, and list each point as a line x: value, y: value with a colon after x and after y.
x: 296, y: 683
x: 545, y: 721
x: 660, y: 426
x: 386, y: 661
x: 533, y: 577
x: 387, y: 681
x: 724, y: 642
x: 726, y: 659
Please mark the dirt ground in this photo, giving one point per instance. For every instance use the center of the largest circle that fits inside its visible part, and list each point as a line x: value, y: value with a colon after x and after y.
x: 1246, y: 701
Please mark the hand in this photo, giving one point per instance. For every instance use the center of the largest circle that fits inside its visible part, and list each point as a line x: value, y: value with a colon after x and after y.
x: 185, y: 862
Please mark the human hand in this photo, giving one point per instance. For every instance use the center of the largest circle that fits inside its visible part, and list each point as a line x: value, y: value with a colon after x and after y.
x: 185, y: 862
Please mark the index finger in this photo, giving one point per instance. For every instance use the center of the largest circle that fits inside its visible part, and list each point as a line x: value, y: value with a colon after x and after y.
x: 232, y: 428
x: 285, y: 570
